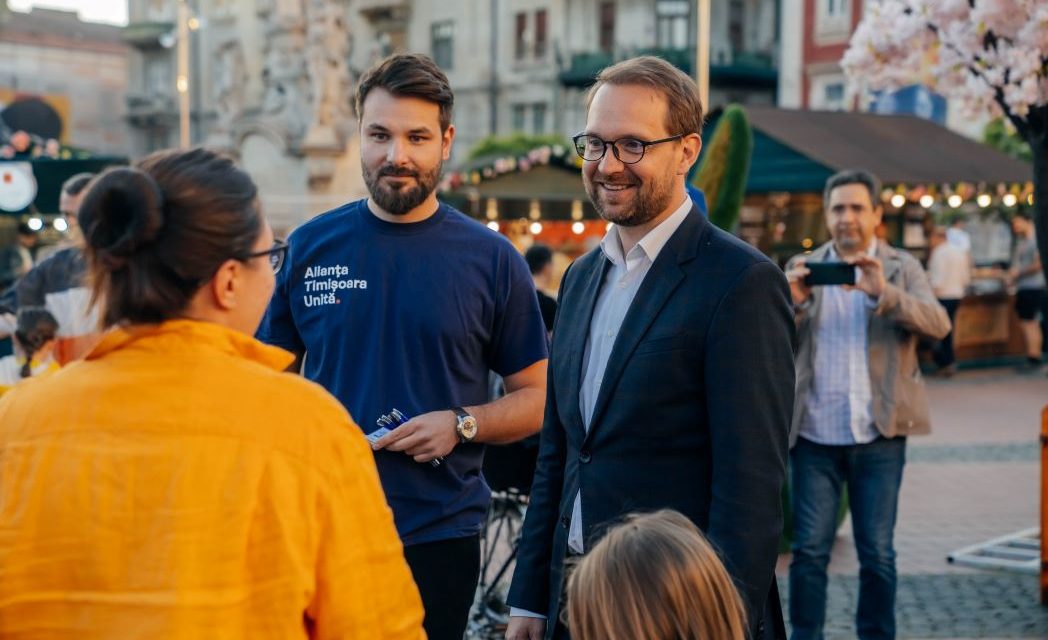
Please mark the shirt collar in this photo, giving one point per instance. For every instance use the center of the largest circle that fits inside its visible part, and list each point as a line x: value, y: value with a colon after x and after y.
x: 652, y: 242
x: 194, y: 333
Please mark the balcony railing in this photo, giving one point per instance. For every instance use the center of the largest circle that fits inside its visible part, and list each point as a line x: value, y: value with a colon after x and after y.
x: 384, y: 10
x: 746, y: 69
x: 146, y: 35
x: 151, y: 109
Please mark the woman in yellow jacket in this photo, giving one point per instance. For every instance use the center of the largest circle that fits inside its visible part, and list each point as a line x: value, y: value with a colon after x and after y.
x: 176, y: 483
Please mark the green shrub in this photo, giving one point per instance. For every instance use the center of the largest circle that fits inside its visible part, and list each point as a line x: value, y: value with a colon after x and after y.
x: 726, y: 166
x: 517, y: 144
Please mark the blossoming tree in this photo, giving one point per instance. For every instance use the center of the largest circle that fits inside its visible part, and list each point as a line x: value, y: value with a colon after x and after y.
x: 991, y: 54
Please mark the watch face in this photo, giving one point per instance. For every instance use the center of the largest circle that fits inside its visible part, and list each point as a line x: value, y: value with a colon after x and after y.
x: 468, y: 427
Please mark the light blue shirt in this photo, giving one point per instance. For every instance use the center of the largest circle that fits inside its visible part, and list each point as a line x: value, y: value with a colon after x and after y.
x: 840, y: 405
x: 620, y: 286
x: 623, y: 279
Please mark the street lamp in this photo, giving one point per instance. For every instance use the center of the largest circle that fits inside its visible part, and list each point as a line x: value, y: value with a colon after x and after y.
x: 182, y: 81
x: 186, y: 22
x: 702, y: 52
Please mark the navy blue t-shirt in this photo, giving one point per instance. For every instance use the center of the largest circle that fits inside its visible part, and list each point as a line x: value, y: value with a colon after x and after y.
x: 409, y: 316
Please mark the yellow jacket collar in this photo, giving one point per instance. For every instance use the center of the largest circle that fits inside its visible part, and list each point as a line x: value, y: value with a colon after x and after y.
x: 198, y: 333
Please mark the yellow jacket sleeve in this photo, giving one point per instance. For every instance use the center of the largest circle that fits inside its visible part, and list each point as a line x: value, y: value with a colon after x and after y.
x: 364, y: 586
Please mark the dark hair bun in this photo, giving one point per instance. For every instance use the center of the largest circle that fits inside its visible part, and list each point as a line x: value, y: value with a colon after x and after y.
x: 122, y: 212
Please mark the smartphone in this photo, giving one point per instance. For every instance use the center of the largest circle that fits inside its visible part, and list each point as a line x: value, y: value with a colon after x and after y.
x: 829, y: 273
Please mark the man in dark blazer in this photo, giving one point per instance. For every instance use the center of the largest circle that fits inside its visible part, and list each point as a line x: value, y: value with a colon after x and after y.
x: 671, y: 376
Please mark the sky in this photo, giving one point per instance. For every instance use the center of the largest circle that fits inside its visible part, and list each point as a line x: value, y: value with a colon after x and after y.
x: 112, y: 11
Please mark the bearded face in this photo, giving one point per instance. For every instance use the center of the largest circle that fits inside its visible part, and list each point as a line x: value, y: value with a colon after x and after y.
x: 398, y: 190
x: 627, y: 199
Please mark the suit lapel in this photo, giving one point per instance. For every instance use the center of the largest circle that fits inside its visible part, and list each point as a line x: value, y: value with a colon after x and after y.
x: 577, y: 326
x: 664, y: 276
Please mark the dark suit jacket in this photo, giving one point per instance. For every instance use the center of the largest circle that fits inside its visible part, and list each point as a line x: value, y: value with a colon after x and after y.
x: 693, y: 413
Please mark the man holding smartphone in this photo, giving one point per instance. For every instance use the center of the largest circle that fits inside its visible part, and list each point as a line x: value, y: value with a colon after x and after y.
x: 859, y: 395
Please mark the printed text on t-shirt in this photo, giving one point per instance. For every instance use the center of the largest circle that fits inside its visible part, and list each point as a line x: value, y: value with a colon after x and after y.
x: 321, y: 283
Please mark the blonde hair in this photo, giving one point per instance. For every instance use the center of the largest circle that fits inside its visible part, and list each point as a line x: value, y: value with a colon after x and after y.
x: 653, y: 577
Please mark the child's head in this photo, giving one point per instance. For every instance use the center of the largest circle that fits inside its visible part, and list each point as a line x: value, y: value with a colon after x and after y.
x: 35, y: 332
x: 653, y: 577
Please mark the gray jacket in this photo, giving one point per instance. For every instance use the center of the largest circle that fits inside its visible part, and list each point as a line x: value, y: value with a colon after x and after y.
x: 908, y: 309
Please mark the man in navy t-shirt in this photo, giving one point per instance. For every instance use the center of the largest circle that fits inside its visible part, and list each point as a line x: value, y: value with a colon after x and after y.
x: 401, y: 302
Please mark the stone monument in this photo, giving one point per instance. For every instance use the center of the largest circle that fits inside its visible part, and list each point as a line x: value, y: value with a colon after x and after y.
x: 281, y: 94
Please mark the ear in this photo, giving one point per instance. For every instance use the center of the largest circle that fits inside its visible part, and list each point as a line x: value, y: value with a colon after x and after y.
x: 225, y: 285
x: 691, y: 145
x: 446, y: 140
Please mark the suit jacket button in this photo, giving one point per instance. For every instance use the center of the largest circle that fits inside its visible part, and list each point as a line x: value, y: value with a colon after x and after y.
x: 585, y: 457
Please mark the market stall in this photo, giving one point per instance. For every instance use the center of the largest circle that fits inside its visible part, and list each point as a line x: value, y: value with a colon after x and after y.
x: 931, y: 176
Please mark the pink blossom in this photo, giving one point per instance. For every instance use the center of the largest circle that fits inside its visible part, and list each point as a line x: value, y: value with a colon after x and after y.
x: 946, y: 11
x: 944, y: 43
x: 1033, y: 36
x: 1003, y: 17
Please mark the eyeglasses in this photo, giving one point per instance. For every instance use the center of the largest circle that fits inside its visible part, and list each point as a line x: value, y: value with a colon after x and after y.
x: 626, y: 150
x: 276, y: 254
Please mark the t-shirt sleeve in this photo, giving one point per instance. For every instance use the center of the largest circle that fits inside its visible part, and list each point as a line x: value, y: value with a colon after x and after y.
x: 278, y: 326
x: 519, y: 338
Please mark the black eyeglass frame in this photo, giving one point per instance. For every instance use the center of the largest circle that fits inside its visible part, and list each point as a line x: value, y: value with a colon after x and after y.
x: 615, y: 146
x: 278, y: 253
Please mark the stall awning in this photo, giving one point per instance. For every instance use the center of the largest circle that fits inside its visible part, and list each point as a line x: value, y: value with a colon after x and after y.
x: 550, y: 183
x: 797, y: 150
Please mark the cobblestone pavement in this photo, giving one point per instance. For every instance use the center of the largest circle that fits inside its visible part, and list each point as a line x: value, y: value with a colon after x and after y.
x: 975, y: 478
x: 974, y: 605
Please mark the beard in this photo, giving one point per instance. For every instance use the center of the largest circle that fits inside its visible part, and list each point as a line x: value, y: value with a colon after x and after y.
x: 647, y: 201
x: 850, y: 239
x: 399, y: 201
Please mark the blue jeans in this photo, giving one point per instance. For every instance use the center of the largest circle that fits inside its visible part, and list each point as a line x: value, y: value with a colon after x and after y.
x: 873, y: 472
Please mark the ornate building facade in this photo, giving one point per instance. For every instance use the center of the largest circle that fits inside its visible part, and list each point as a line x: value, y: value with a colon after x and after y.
x: 269, y: 82
x: 272, y: 80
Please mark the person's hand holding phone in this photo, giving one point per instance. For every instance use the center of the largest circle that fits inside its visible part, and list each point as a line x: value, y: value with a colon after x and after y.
x: 872, y: 281
x: 796, y: 275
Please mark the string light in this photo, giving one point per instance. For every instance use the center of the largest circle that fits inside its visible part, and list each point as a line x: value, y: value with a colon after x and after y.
x: 576, y: 210
x: 927, y: 201
x: 955, y: 201
x: 494, y: 226
x: 898, y: 200
x: 35, y: 224
x: 535, y: 228
x: 1009, y: 200
x: 60, y: 224
x: 984, y: 200
x: 577, y: 228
